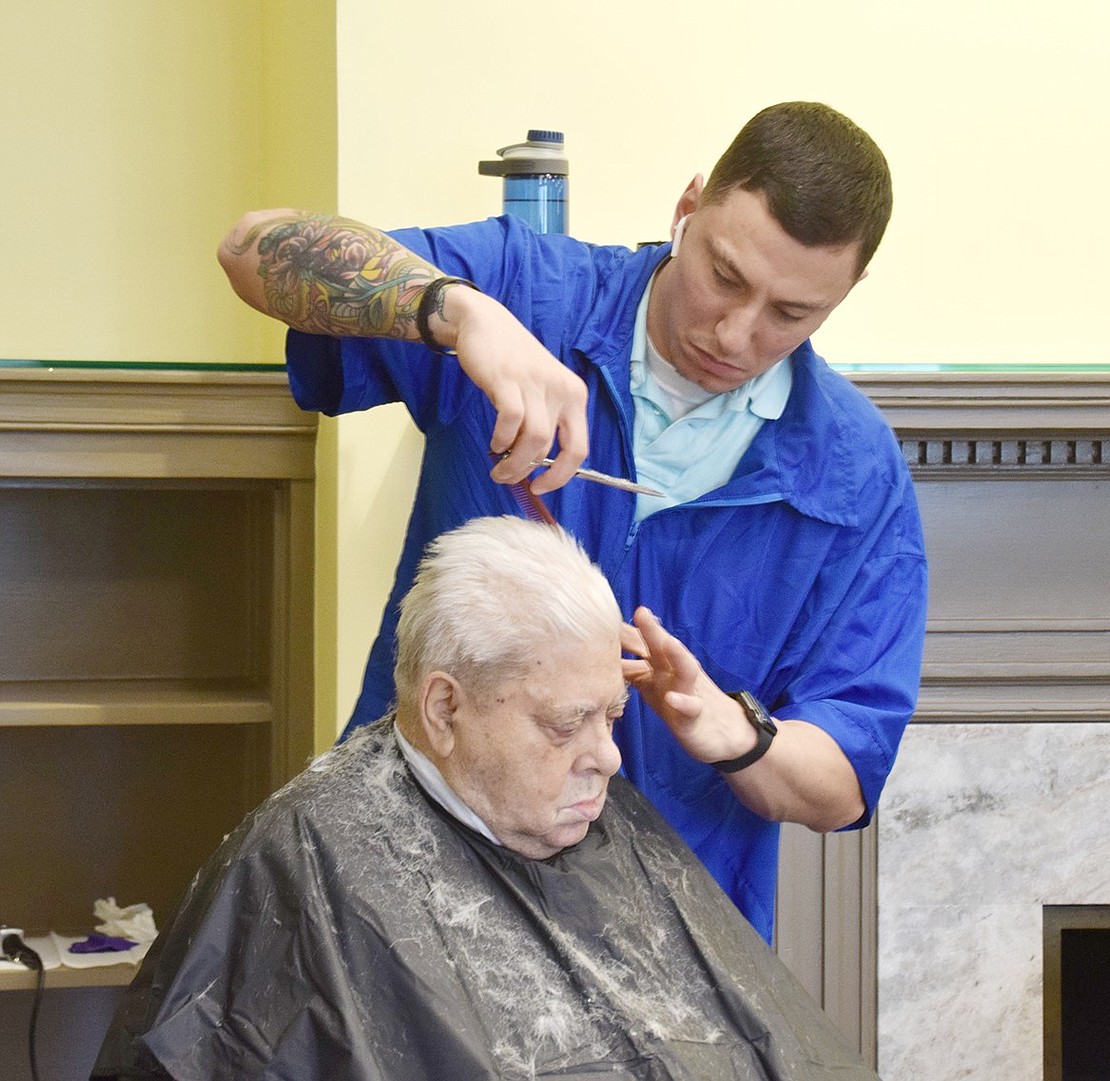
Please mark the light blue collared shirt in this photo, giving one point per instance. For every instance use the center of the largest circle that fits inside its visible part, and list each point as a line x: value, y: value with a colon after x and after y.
x: 697, y: 452
x: 431, y: 780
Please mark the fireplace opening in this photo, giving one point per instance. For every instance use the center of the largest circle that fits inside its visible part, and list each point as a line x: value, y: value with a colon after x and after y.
x: 1076, y: 992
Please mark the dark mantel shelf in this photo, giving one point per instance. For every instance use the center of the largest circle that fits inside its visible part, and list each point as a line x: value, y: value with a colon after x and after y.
x: 1011, y: 403
x: 1012, y: 470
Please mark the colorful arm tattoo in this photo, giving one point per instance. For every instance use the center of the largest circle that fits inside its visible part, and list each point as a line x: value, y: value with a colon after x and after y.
x: 329, y: 275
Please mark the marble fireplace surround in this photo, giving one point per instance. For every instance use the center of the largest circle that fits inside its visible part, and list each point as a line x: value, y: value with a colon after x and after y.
x: 985, y: 824
x: 922, y: 936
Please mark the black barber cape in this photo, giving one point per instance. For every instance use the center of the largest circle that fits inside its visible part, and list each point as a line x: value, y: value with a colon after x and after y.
x: 351, y: 930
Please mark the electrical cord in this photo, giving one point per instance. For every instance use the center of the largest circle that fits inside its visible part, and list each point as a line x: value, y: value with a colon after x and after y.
x: 13, y: 948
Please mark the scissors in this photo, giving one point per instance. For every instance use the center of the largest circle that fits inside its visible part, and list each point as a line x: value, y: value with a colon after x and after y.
x: 602, y: 478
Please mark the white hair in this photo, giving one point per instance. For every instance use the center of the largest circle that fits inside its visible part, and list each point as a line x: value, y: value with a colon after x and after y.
x: 491, y: 594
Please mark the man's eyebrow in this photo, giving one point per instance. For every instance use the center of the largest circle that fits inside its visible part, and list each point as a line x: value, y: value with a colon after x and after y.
x: 801, y: 307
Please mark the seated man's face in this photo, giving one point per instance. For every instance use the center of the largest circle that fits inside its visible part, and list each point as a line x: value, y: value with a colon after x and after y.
x: 533, y: 758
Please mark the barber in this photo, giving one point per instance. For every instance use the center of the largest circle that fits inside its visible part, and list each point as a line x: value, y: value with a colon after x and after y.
x: 786, y: 552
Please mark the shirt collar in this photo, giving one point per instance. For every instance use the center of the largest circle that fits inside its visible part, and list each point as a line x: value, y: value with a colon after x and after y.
x: 432, y: 781
x: 765, y: 394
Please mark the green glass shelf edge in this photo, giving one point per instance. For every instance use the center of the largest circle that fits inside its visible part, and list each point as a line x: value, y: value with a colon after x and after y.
x: 982, y: 369
x: 139, y: 366
x: 856, y: 368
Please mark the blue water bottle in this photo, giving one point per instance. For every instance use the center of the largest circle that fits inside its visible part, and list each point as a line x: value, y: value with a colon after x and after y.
x: 535, y: 175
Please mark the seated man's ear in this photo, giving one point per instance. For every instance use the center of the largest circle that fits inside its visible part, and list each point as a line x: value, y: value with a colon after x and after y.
x: 439, y: 701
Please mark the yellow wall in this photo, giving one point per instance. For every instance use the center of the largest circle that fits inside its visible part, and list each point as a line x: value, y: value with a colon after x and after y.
x: 135, y: 129
x: 992, y: 114
x: 135, y: 132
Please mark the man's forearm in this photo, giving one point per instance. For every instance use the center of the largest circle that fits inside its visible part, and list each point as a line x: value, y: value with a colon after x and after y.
x: 333, y: 276
x: 804, y: 778
x: 326, y: 275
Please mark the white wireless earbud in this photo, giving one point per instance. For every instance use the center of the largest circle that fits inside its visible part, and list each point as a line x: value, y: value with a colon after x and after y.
x: 679, y: 229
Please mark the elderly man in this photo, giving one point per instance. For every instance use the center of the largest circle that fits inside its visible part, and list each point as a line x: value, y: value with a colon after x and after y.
x: 464, y: 889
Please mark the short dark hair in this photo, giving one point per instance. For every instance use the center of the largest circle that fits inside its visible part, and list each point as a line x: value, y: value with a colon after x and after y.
x: 825, y: 180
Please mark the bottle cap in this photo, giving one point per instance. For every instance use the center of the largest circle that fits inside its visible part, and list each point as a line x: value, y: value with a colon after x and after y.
x: 541, y: 155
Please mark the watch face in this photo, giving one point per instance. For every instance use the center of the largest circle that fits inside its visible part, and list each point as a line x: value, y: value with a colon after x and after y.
x: 759, y: 716
x: 765, y: 730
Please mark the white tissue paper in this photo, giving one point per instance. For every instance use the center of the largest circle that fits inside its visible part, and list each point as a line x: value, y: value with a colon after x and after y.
x: 135, y: 922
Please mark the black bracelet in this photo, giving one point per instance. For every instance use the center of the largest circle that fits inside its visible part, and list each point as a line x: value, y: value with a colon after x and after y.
x: 429, y: 302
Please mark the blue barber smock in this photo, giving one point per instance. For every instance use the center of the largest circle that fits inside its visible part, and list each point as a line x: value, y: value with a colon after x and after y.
x: 803, y: 579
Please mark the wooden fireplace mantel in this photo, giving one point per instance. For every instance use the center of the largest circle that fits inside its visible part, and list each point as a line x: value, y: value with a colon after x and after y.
x: 1012, y: 471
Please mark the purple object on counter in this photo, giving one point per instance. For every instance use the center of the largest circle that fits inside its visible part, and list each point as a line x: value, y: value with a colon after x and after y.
x: 101, y: 944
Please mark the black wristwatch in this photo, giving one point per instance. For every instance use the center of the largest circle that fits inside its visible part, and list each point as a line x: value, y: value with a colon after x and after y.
x: 765, y: 729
